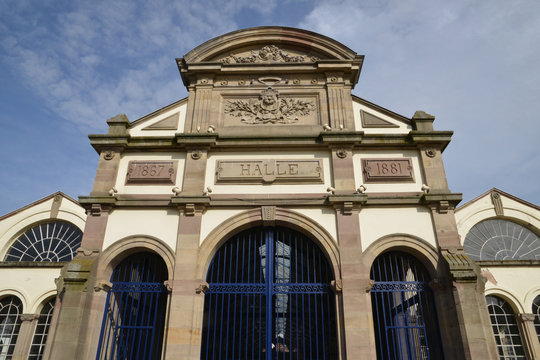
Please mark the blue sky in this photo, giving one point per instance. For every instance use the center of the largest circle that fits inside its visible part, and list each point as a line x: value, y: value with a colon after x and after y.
x: 67, y: 66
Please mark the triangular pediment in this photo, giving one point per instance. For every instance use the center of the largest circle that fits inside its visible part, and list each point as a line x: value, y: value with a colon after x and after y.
x: 370, y: 120
x: 169, y: 123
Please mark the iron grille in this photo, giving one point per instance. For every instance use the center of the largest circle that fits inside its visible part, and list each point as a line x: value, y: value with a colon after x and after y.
x: 406, y: 325
x: 134, y: 315
x: 269, y: 307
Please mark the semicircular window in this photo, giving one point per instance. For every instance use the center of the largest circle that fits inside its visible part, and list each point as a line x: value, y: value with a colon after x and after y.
x: 53, y: 241
x: 498, y: 239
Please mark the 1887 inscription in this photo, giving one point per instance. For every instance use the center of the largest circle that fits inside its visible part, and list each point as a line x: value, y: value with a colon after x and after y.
x: 387, y: 170
x: 151, y: 172
x: 269, y: 170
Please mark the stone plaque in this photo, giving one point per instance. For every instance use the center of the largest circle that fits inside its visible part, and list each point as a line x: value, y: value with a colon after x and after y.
x: 387, y: 170
x: 151, y: 172
x: 269, y: 171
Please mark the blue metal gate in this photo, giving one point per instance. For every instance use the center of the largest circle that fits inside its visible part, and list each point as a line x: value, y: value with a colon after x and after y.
x: 404, y: 314
x: 134, y: 315
x: 269, y: 297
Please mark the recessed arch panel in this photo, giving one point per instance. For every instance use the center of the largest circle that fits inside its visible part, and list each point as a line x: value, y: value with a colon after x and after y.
x: 269, y: 297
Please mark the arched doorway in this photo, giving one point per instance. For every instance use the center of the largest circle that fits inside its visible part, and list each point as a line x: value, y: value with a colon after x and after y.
x: 269, y: 297
x: 133, y: 321
x: 404, y: 315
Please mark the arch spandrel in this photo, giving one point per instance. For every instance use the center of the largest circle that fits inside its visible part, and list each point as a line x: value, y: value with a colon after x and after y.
x: 291, y: 39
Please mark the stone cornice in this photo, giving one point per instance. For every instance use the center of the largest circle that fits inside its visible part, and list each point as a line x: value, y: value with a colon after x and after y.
x: 246, y: 200
x: 357, y: 139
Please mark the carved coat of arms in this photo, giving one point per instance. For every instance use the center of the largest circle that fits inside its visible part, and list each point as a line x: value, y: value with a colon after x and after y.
x: 269, y: 109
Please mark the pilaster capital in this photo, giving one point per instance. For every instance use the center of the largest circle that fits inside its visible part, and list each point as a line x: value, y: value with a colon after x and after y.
x: 347, y: 203
x: 28, y: 317
x: 102, y: 285
x: 526, y: 317
x: 191, y: 205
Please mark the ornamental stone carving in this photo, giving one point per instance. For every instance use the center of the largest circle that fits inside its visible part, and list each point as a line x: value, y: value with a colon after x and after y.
x: 269, y: 109
x: 269, y: 53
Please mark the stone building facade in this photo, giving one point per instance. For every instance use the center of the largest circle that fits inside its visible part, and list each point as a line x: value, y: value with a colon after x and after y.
x: 271, y: 214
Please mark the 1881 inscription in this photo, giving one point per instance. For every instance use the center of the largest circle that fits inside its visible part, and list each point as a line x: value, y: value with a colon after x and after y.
x: 151, y: 172
x: 269, y: 170
x: 387, y: 170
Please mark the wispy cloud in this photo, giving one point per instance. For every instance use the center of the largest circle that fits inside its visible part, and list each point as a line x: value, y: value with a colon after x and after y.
x: 91, y: 60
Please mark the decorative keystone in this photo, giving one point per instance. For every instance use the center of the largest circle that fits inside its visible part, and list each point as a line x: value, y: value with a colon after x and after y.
x: 422, y: 121
x: 118, y: 125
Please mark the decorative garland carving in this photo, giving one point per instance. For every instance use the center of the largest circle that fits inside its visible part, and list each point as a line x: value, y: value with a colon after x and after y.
x: 269, y: 53
x: 269, y: 109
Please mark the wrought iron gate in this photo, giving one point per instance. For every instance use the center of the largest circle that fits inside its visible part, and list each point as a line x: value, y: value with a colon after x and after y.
x: 134, y: 315
x: 269, y: 297
x: 406, y: 325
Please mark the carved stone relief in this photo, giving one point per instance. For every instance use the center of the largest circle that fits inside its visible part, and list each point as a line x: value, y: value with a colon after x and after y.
x: 269, y: 108
x: 268, y: 53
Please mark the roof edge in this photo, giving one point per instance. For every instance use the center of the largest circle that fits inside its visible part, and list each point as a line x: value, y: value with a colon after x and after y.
x: 37, y: 202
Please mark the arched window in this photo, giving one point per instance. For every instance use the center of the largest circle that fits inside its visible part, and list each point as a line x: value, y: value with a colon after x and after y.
x: 505, y: 328
x: 42, y: 330
x: 498, y: 239
x: 134, y: 317
x: 404, y: 314
x: 53, y: 241
x: 536, y: 312
x: 10, y: 322
x: 269, y: 297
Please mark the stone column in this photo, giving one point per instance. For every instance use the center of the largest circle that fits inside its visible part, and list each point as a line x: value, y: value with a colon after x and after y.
x: 529, y: 335
x: 24, y: 339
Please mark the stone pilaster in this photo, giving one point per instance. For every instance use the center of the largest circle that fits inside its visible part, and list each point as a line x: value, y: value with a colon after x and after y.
x: 186, y: 309
x: 24, y: 339
x: 339, y: 102
x: 79, y: 312
x: 471, y: 308
x: 529, y: 335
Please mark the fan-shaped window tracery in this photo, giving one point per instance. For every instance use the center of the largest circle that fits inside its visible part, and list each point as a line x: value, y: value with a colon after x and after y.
x: 53, y: 241
x: 498, y: 239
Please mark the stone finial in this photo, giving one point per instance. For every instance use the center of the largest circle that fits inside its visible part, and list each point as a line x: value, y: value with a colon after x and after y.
x: 422, y: 121
x: 118, y: 125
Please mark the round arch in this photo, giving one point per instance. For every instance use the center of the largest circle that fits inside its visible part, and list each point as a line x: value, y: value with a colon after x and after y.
x: 121, y: 249
x: 413, y: 245
x: 40, y: 301
x: 530, y: 296
x: 252, y: 218
x: 507, y: 296
x: 19, y: 295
